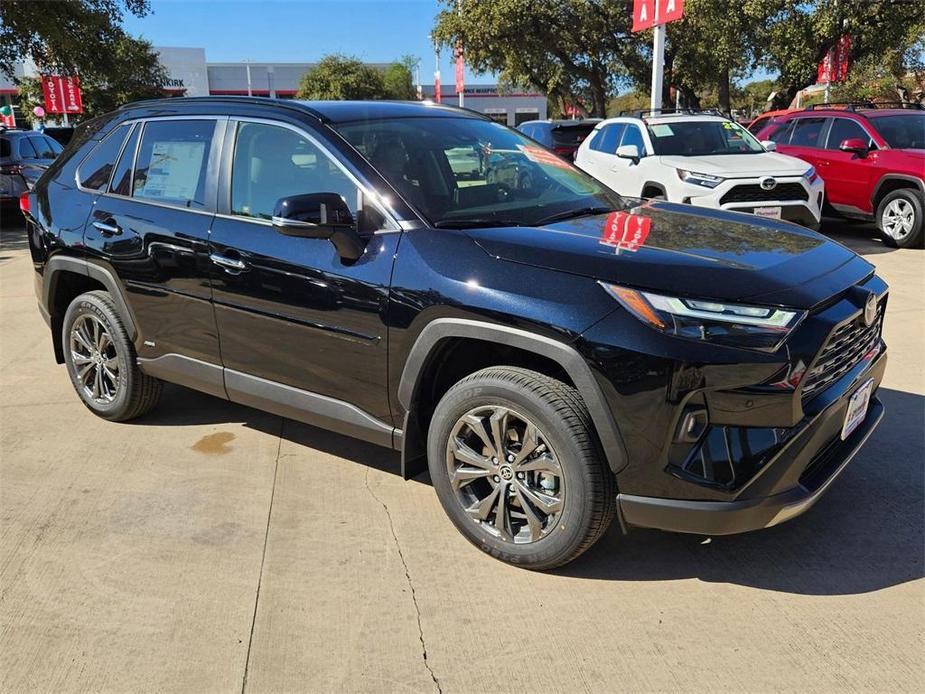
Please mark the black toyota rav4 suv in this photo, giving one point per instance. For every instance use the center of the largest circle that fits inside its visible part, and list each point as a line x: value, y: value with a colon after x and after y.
x: 552, y: 353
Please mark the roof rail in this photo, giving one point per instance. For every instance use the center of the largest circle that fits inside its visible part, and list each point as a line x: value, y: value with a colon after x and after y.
x: 865, y: 105
x: 642, y: 113
x: 257, y: 100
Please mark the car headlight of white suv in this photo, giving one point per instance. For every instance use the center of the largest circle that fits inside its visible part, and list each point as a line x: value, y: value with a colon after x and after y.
x: 811, y: 175
x: 699, y: 179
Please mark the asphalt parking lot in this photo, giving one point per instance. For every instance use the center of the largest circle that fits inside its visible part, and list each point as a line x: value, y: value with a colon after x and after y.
x: 210, y: 547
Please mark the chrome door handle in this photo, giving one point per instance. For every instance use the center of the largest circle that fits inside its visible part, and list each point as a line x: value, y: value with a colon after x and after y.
x: 107, y: 229
x: 228, y: 263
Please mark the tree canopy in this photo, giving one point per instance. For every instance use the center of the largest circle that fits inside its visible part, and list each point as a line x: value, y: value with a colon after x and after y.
x: 67, y: 36
x: 582, y: 51
x: 341, y: 77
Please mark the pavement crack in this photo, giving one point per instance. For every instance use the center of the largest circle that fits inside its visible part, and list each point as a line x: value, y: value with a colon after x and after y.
x: 263, y: 557
x: 414, y: 598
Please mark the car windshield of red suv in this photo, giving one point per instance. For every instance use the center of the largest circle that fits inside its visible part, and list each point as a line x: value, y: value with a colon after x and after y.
x: 902, y: 131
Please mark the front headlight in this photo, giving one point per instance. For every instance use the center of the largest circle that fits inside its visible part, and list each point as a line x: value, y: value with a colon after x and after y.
x: 734, y: 325
x: 699, y: 179
x: 811, y: 175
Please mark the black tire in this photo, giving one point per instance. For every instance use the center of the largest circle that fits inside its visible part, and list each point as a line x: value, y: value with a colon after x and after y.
x: 125, y: 393
x: 909, y: 199
x: 559, y: 414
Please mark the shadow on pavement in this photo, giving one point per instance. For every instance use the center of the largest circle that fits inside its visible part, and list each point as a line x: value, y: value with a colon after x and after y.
x: 861, y: 237
x: 864, y: 534
x: 12, y: 234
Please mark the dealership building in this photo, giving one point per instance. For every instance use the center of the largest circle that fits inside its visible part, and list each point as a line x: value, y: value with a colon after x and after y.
x: 190, y: 74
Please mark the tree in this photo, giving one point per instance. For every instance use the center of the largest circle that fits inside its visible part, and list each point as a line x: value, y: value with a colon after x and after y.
x: 398, y: 80
x: 135, y: 73
x: 576, y: 51
x: 341, y: 77
x: 69, y: 36
x: 797, y: 34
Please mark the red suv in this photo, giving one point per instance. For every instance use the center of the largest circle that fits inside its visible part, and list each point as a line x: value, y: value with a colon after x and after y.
x: 871, y: 159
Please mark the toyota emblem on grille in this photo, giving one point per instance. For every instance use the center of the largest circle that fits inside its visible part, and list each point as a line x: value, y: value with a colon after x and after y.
x: 768, y: 183
x: 870, y: 310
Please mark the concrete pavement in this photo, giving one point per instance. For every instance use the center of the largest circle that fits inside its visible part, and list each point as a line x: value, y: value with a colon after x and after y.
x: 213, y: 548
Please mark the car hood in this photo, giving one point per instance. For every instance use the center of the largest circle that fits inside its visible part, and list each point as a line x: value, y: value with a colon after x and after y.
x: 708, y: 253
x: 739, y: 165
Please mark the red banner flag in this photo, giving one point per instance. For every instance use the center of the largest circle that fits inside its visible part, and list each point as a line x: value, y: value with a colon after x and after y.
x: 460, y: 69
x: 437, y: 86
x: 62, y: 94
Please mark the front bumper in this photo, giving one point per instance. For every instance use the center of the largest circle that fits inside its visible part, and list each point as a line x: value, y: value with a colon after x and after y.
x: 806, y: 212
x: 803, y: 470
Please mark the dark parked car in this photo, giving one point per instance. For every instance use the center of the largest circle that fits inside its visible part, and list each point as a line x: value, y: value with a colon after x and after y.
x: 553, y: 354
x: 561, y: 136
x: 24, y: 156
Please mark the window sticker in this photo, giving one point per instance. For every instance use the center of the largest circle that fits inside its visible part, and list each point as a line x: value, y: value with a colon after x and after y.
x: 174, y: 170
x: 662, y: 130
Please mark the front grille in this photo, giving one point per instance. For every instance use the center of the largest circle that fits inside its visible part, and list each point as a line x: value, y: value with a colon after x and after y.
x: 755, y: 193
x: 847, y: 345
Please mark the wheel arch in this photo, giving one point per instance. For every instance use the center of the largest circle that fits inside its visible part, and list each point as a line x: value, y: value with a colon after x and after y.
x: 526, y: 349
x: 66, y: 278
x: 653, y: 188
x: 891, y: 182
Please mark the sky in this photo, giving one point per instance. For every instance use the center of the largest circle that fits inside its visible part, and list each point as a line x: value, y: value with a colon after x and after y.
x: 300, y: 30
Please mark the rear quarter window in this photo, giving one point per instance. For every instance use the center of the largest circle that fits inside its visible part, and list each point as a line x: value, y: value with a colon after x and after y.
x: 5, y: 149
x: 94, y: 171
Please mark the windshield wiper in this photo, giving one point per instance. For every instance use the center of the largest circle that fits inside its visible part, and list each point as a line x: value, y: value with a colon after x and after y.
x: 571, y: 214
x: 473, y: 222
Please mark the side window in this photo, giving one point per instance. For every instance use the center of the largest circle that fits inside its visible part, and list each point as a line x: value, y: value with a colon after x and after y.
x: 26, y: 150
x: 172, y: 162
x: 756, y: 127
x: 95, y: 169
x: 272, y: 162
x: 607, y: 139
x: 122, y: 178
x: 633, y: 136
x: 54, y: 145
x: 42, y: 149
x: 845, y: 129
x: 780, y: 132
x: 807, y: 132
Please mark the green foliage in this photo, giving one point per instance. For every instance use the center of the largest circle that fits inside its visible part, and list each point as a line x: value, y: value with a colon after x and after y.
x: 339, y: 77
x: 134, y: 73
x: 398, y: 81
x: 68, y: 36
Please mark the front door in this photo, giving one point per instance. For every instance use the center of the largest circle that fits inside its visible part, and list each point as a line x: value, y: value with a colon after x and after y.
x: 848, y: 176
x: 290, y: 311
x: 151, y: 225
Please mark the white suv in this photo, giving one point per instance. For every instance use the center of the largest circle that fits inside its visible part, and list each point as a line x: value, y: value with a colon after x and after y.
x: 704, y: 160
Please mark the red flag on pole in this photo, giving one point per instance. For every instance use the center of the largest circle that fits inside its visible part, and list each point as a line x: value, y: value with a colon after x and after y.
x: 437, y: 86
x: 460, y: 69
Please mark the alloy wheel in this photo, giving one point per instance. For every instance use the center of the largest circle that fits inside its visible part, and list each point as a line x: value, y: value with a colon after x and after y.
x: 899, y: 218
x: 95, y: 361
x: 505, y: 474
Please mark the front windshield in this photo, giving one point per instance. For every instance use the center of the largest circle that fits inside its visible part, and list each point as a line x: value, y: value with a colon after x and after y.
x: 699, y: 138
x: 463, y: 172
x: 906, y: 131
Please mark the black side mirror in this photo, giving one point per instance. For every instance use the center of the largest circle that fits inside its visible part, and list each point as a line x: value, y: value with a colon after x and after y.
x: 319, y: 216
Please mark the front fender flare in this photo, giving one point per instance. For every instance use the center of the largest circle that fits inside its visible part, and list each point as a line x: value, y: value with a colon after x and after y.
x: 563, y: 354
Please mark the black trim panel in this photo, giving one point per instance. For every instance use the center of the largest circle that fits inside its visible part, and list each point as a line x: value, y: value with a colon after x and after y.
x: 564, y: 355
x: 186, y: 371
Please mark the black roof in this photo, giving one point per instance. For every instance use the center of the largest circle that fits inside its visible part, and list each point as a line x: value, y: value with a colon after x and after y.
x: 329, y: 111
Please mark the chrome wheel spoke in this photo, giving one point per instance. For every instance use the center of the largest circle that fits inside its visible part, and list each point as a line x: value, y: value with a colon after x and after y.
x: 84, y: 371
x: 505, y: 476
x: 79, y: 337
x: 94, y: 360
x: 79, y: 359
x: 544, y: 502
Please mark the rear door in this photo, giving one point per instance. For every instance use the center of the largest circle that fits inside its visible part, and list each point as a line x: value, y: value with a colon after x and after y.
x: 848, y: 176
x: 598, y: 156
x: 151, y: 225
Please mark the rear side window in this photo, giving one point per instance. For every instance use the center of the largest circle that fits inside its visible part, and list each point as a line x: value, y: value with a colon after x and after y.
x: 5, y: 149
x: 171, y: 163
x: 759, y: 123
x: 607, y: 138
x: 122, y: 178
x: 807, y: 132
x: 25, y: 148
x: 845, y: 129
x: 94, y: 171
x: 53, y: 144
x: 42, y: 146
x: 570, y: 135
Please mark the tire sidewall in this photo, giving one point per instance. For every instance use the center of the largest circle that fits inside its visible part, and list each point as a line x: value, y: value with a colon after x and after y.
x: 914, y: 238
x: 88, y: 304
x: 572, y: 524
